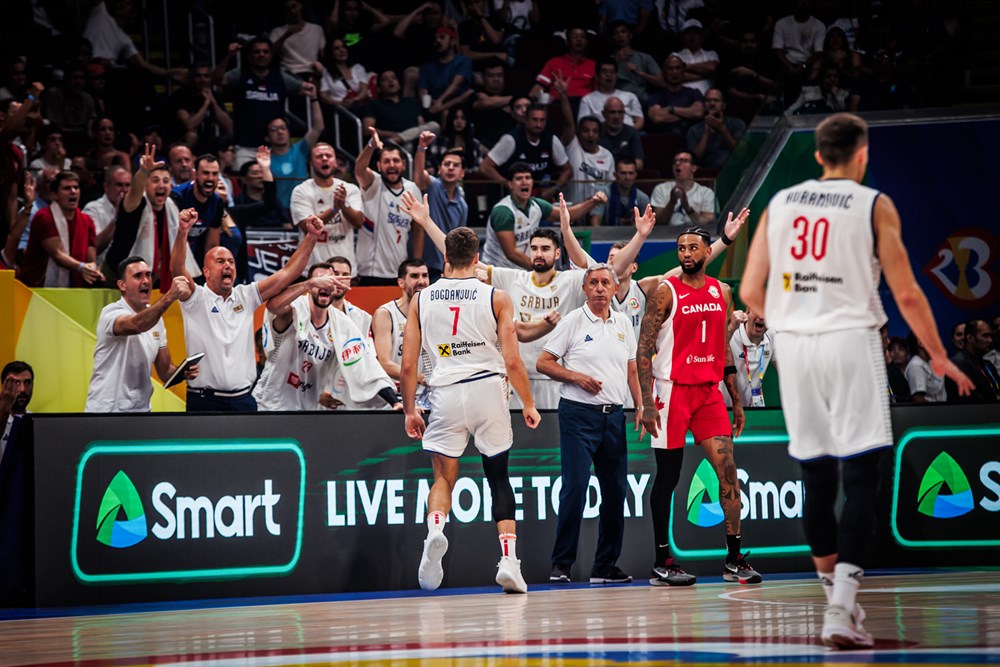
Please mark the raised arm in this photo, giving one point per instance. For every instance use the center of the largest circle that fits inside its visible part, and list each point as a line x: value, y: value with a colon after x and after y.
x: 574, y: 251
x: 362, y: 171
x: 419, y: 211
x: 643, y: 226
x: 277, y: 281
x: 219, y: 73
x: 420, y: 175
x: 146, y: 319
x: 532, y: 331
x: 178, y: 253
x: 732, y: 229
x: 281, y: 305
x: 147, y: 163
x: 657, y: 309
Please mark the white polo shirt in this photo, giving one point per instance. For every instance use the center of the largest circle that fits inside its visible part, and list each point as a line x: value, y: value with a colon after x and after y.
x: 751, y: 363
x: 222, y: 329
x: 598, y: 348
x: 121, y: 381
x: 337, y: 237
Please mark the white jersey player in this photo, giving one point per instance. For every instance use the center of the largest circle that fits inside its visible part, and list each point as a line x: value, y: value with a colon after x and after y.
x: 814, y: 258
x: 384, y: 238
x: 389, y: 323
x: 469, y: 328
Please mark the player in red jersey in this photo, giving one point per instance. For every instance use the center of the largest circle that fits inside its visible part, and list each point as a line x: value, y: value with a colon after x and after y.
x: 684, y: 328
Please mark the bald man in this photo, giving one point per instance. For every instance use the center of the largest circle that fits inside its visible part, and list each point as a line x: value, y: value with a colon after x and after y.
x: 218, y: 318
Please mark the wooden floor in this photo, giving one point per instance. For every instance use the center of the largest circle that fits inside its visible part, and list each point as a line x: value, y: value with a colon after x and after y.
x: 926, y: 618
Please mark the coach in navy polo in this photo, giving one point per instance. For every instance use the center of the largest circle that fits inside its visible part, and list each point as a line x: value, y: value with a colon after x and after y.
x: 597, y: 347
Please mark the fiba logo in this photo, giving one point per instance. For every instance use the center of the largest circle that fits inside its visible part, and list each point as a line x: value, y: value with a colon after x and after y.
x: 702, y: 512
x: 961, y: 268
x: 121, y: 498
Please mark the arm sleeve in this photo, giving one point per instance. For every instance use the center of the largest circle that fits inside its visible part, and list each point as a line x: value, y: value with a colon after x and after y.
x: 353, y: 197
x: 299, y: 205
x: 502, y: 219
x: 558, y: 342
x: 292, y: 83
x: 661, y: 194
x: 632, y: 105
x: 545, y: 206
x: 503, y: 149
x: 559, y: 152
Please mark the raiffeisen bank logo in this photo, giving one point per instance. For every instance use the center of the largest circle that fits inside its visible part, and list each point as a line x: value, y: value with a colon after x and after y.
x: 704, y: 483
x: 121, y: 496
x: 944, y: 474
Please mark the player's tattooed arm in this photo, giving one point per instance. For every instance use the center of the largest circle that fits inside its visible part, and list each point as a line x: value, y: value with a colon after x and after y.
x: 657, y: 308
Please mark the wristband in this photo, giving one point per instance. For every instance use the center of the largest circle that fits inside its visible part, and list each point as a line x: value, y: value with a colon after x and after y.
x: 79, y: 267
x: 30, y: 97
x: 421, y: 148
x: 726, y: 240
x: 729, y: 370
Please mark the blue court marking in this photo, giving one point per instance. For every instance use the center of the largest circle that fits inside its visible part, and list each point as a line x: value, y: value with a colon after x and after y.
x: 13, y: 614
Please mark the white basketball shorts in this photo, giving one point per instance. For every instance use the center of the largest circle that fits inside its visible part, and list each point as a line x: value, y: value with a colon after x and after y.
x: 477, y: 408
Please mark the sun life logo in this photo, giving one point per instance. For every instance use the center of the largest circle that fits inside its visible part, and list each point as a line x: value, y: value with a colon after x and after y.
x: 121, y: 496
x: 705, y: 482
x: 944, y: 472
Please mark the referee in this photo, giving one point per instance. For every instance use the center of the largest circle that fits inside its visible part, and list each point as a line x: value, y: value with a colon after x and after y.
x: 597, y: 347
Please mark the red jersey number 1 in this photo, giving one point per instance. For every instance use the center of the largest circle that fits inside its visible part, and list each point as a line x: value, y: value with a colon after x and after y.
x: 813, y: 243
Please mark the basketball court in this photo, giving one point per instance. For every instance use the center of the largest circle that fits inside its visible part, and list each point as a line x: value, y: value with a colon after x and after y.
x: 928, y: 618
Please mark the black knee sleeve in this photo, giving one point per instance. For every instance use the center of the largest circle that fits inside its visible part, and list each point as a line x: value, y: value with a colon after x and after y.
x: 668, y: 472
x: 495, y: 468
x: 857, y: 521
x: 821, y: 481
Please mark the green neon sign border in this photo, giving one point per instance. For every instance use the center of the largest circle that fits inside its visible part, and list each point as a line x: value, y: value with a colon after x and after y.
x: 196, y: 447
x: 934, y: 434
x: 785, y: 550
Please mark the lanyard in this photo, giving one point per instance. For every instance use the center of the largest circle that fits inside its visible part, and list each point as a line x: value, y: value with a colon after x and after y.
x: 760, y: 364
x: 994, y: 384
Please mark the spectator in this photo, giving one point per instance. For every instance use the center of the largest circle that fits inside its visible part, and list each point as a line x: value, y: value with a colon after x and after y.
x: 518, y: 215
x: 628, y: 12
x: 396, y: 118
x: 104, y: 210
x: 228, y: 370
x: 837, y: 51
x: 925, y: 385
x: 637, y: 71
x: 958, y: 337
x: 898, y: 387
x: 256, y: 204
x: 971, y: 361
x: 678, y: 107
x: 148, y: 220
x: 444, y: 79
x: 899, y: 353
x: 418, y: 32
x: 226, y: 152
x: 15, y: 81
x: 682, y: 202
x: 355, y: 22
x: 797, y: 38
x: 519, y: 16
x: 131, y: 337
x: 751, y: 75
x: 106, y: 152
x: 181, y: 161
x: 53, y: 152
x: 712, y: 141
x: 62, y: 247
x: 993, y: 356
x: 199, y: 113
x: 827, y: 97
x: 9, y: 250
x: 492, y: 112
x: 532, y: 144
x: 575, y: 68
x: 700, y: 65
x: 445, y: 196
x: 883, y: 88
x: 620, y: 139
x: 458, y: 136
x: 290, y: 162
x: 259, y: 91
x: 199, y: 194
x: 69, y: 106
x: 481, y: 35
x: 593, y: 103
x: 298, y: 43
x: 623, y: 197
x: 384, y: 242
x: 342, y: 83
x: 336, y: 203
x: 111, y: 45
x: 673, y: 13
x: 592, y: 163
x: 597, y: 375
x: 752, y: 345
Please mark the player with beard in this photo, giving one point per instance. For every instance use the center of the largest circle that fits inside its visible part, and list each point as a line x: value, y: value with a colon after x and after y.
x: 218, y: 320
x: 306, y: 341
x: 335, y: 202
x: 685, y: 328
x: 200, y: 195
x: 389, y: 320
x: 384, y: 239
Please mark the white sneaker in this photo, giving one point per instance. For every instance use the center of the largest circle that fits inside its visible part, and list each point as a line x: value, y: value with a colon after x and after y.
x: 842, y: 630
x: 509, y: 576
x: 431, y: 573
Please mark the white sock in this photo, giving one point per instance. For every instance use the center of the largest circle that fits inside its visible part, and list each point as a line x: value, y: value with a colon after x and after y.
x: 846, y: 582
x: 826, y: 579
x: 435, y: 522
x: 508, y: 545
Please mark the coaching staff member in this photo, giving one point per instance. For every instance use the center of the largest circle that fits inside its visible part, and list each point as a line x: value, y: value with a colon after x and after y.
x: 597, y: 348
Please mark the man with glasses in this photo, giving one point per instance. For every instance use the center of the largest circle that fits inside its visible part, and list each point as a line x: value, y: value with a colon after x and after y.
x: 682, y: 202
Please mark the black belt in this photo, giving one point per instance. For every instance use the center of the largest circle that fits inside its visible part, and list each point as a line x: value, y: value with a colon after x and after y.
x: 208, y: 392
x: 606, y: 408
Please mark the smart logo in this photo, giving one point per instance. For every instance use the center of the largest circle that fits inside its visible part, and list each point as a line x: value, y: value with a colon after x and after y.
x: 187, y: 509
x: 942, y: 474
x: 704, y: 483
x: 121, y: 496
